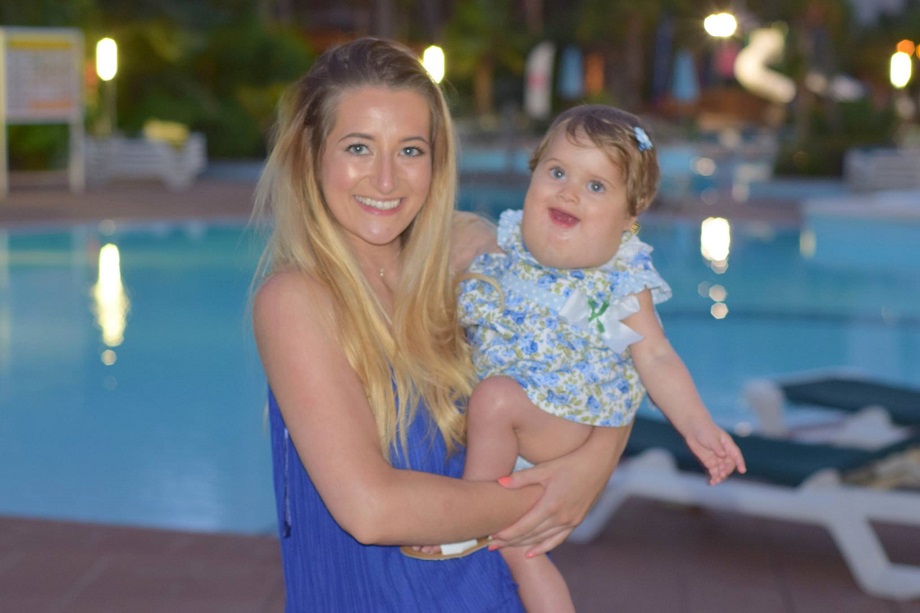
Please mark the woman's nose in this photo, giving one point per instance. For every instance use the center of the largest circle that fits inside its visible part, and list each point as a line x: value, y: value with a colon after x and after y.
x: 385, y: 178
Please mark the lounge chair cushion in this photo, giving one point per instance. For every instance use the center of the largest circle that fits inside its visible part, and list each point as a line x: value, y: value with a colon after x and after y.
x: 847, y: 394
x: 779, y: 461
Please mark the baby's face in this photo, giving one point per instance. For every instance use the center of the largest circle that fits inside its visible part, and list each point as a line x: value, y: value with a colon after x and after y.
x: 576, y: 209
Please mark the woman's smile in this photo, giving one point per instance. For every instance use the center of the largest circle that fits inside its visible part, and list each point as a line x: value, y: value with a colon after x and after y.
x: 379, y: 205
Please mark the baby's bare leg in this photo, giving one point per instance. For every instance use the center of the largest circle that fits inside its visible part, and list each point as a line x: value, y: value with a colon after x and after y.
x: 541, y: 586
x: 503, y: 424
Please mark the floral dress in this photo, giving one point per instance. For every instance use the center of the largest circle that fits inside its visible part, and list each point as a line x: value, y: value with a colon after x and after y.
x: 558, y: 332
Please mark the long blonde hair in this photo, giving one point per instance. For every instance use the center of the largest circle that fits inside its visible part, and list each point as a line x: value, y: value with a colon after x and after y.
x: 419, y: 354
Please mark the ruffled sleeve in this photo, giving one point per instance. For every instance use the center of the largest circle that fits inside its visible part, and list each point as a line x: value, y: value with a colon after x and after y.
x: 509, y: 231
x: 632, y: 271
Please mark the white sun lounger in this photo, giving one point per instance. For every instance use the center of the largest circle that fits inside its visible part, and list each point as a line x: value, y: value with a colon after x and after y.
x: 857, y: 410
x: 786, y: 480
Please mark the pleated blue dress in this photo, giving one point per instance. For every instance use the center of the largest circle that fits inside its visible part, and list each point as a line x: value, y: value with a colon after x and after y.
x: 325, y: 569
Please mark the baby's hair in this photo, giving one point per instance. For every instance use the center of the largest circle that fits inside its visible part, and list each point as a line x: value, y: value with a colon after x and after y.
x: 621, y: 136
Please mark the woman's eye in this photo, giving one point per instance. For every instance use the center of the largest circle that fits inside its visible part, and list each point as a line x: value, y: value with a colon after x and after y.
x: 596, y: 186
x: 412, y: 151
x: 356, y: 148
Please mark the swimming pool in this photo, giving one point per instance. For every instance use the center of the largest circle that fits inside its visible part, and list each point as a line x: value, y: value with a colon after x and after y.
x: 136, y: 396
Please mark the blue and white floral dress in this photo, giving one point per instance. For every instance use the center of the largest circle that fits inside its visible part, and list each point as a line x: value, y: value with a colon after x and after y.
x: 558, y: 332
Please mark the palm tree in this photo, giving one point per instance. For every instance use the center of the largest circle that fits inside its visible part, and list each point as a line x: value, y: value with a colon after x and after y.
x: 482, y: 36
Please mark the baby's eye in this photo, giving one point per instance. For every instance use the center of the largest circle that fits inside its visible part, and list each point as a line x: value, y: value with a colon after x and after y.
x: 596, y: 186
x: 357, y: 148
x: 556, y: 172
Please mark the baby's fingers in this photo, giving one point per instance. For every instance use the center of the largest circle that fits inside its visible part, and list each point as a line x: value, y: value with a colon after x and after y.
x: 734, y: 453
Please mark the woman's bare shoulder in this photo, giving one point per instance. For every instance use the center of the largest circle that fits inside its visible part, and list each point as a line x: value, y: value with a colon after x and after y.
x: 290, y: 293
x: 289, y: 284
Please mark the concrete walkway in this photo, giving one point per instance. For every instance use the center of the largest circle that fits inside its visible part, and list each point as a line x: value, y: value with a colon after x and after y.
x: 38, y: 205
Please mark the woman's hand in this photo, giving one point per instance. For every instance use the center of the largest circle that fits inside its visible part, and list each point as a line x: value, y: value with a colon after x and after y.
x: 572, y: 483
x: 471, y: 235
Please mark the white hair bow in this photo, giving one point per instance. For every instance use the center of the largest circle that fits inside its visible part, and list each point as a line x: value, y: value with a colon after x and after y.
x: 605, y: 318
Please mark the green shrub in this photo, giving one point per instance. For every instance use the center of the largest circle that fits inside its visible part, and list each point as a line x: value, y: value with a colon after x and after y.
x: 38, y: 147
x: 831, y: 134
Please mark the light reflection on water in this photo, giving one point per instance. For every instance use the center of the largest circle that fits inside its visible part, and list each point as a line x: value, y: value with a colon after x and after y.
x: 169, y: 432
x: 111, y: 302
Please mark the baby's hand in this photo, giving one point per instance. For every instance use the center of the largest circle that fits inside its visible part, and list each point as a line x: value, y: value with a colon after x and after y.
x: 715, y: 448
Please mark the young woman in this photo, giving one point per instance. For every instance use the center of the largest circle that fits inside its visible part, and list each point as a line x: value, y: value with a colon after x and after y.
x: 368, y: 369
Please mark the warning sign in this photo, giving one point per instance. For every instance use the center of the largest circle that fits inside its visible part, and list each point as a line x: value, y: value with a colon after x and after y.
x: 41, y: 81
x: 42, y: 74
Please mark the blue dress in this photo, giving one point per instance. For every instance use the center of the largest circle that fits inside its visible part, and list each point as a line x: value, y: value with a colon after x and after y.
x: 325, y: 569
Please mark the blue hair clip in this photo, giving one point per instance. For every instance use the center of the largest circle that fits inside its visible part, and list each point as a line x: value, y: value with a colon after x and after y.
x: 645, y: 143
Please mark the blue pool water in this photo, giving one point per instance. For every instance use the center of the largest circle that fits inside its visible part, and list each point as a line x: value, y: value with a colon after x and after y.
x: 165, y: 428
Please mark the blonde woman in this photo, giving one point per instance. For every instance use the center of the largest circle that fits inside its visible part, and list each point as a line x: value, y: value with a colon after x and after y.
x: 369, y: 373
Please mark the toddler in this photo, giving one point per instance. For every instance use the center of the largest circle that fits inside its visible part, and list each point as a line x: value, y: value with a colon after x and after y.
x: 563, y: 323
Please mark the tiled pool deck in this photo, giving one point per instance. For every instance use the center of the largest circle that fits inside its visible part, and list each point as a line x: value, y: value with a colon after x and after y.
x: 651, y: 558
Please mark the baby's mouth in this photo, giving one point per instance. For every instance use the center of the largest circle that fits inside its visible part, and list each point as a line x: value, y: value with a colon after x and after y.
x: 562, y: 218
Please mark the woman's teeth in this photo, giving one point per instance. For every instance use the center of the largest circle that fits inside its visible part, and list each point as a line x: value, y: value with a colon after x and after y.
x: 383, y: 205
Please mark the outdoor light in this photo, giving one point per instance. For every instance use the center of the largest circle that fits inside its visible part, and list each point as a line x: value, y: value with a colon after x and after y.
x: 433, y: 61
x: 900, y: 69
x: 106, y: 59
x: 720, y: 25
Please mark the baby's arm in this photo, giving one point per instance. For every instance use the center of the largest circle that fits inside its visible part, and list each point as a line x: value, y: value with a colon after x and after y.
x: 671, y: 387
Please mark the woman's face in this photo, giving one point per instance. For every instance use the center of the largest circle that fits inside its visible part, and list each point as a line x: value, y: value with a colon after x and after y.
x: 377, y: 164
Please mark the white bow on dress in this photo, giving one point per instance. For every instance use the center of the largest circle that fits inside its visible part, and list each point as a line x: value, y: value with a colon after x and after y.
x: 604, y: 318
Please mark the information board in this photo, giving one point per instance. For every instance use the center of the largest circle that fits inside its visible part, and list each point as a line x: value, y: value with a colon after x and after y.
x: 41, y: 81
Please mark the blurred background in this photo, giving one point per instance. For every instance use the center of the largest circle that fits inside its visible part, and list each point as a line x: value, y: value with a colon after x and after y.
x: 784, y: 129
x: 822, y: 79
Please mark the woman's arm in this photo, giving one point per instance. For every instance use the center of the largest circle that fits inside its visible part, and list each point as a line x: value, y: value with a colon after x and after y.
x: 333, y: 430
x: 471, y: 235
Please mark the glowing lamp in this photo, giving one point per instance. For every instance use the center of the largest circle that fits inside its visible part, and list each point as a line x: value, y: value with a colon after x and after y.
x: 433, y: 61
x: 720, y: 25
x: 900, y: 69
x: 106, y: 59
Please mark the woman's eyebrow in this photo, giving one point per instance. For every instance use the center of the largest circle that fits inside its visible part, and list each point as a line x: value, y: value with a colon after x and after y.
x: 356, y: 135
x: 370, y: 137
x: 409, y: 139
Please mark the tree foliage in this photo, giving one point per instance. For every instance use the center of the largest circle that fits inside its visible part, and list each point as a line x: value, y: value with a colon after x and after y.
x: 215, y: 65
x: 219, y: 65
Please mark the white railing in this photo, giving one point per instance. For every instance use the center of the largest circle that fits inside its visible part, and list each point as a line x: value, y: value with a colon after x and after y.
x: 882, y: 169
x: 118, y: 157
